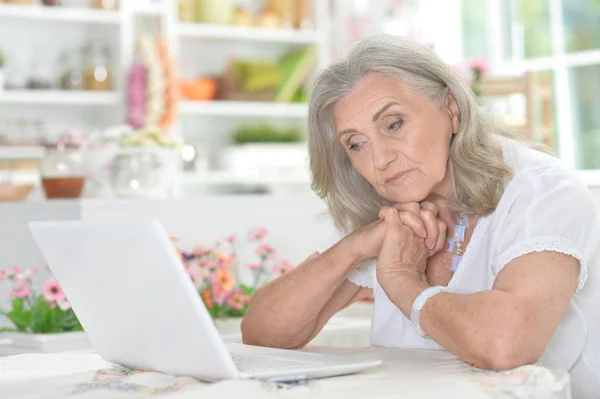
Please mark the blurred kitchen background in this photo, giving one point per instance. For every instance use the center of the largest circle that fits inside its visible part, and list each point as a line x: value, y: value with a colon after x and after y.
x: 194, y: 98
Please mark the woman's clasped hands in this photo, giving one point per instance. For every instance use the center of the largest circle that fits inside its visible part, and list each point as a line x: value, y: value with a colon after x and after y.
x: 403, y: 239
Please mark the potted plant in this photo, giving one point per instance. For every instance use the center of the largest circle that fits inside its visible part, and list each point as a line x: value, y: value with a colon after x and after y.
x: 43, y: 320
x: 2, y: 62
x: 218, y: 278
x: 266, y: 151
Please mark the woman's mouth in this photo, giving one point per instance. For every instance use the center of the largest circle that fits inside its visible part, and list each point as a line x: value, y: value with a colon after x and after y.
x: 398, y: 178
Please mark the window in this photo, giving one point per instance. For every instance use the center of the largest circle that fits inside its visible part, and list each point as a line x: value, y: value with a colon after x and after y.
x: 558, y: 38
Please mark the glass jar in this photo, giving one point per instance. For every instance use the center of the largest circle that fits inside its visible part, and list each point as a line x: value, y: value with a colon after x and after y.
x: 96, y: 72
x: 42, y: 73
x: 106, y: 4
x: 135, y: 173
x: 62, y: 171
x: 69, y: 67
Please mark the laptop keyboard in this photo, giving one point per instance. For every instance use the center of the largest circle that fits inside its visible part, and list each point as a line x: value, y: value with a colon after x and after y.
x: 249, y: 364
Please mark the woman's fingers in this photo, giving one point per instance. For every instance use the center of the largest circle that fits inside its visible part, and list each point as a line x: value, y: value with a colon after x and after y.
x: 431, y: 227
x: 410, y: 217
x: 413, y: 207
x: 441, y: 240
x: 430, y: 206
x: 427, y: 212
x: 391, y: 247
x: 413, y: 221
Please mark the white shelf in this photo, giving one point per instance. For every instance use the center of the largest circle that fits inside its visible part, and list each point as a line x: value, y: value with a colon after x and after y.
x: 59, y: 14
x: 216, y: 178
x: 21, y: 152
x: 246, y: 33
x: 244, y: 108
x: 58, y: 97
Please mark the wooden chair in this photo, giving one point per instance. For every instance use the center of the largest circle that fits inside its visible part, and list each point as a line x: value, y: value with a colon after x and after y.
x: 536, y: 87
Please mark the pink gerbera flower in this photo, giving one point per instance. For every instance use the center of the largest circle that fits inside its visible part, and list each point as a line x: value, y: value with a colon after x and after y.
x: 237, y: 299
x: 282, y: 268
x: 219, y: 294
x: 257, y: 233
x: 265, y: 251
x: 22, y: 290
x: 52, y: 291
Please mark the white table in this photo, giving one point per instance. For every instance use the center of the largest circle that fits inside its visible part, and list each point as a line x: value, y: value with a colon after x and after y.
x: 404, y: 374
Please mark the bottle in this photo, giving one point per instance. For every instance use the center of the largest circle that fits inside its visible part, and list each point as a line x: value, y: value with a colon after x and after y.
x: 96, y: 73
x: 70, y: 74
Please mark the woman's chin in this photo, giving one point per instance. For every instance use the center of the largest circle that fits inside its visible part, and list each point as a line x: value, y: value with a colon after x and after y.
x: 403, y: 196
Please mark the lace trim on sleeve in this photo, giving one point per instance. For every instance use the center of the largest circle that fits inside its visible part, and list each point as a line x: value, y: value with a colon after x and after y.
x: 363, y: 275
x: 540, y: 244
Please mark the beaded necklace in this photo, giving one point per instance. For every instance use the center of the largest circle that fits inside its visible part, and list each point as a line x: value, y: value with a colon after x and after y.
x: 455, y: 245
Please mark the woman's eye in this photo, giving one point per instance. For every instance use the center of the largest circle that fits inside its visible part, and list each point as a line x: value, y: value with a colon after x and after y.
x: 354, y: 147
x: 395, y: 125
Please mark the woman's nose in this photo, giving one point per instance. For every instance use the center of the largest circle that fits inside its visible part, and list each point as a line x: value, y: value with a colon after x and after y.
x: 383, y: 155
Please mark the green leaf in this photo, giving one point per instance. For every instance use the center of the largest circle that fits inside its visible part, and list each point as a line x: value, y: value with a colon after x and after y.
x: 21, y: 320
x: 18, y: 305
x: 247, y: 290
x: 20, y: 317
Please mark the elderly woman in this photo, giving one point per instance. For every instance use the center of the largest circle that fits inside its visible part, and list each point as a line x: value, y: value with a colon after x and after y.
x: 469, y: 239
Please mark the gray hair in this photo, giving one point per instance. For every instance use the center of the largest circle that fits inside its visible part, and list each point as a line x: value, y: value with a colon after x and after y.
x: 478, y: 172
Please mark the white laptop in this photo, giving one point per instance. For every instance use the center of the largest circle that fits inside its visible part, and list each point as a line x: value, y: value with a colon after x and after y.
x: 140, y: 308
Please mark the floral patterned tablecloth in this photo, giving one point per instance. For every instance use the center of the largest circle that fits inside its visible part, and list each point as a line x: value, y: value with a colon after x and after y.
x: 404, y: 374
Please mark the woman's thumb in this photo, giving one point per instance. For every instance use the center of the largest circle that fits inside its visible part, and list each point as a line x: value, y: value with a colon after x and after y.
x: 391, y: 247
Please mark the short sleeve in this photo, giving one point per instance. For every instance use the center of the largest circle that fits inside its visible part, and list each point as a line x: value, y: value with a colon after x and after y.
x: 550, y: 211
x: 364, y: 274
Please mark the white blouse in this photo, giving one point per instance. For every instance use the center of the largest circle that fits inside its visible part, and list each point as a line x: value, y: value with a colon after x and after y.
x: 545, y: 207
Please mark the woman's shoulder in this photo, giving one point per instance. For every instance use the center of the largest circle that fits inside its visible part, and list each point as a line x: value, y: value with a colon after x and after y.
x: 545, y: 197
x: 537, y: 174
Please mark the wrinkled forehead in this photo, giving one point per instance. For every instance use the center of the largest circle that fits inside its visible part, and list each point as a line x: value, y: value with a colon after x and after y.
x: 370, y: 95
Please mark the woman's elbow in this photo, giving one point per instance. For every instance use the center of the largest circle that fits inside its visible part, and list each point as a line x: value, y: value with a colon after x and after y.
x: 508, y: 350
x: 249, y: 334
x: 256, y: 333
x: 252, y: 335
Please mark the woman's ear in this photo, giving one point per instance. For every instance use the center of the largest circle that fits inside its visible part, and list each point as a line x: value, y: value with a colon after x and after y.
x: 453, y: 110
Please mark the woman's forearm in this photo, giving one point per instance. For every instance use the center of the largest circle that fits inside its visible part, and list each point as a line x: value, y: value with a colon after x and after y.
x: 281, y: 314
x: 484, y: 328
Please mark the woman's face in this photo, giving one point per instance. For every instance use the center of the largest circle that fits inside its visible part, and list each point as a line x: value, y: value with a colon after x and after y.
x: 396, y: 139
